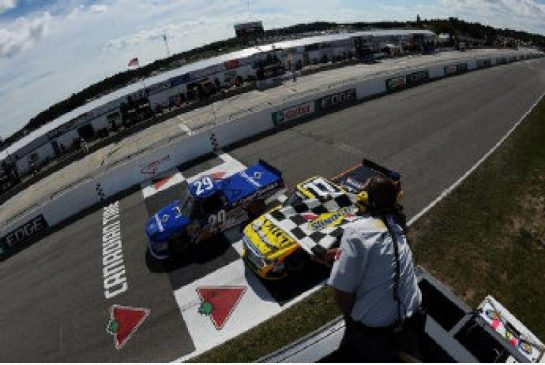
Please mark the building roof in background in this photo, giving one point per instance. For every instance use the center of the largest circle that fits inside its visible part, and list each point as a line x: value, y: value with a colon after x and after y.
x: 164, y: 76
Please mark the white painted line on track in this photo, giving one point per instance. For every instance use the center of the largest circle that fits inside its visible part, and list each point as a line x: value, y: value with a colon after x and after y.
x: 449, y: 190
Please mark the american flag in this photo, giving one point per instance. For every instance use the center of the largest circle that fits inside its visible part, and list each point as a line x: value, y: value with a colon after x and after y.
x: 134, y: 62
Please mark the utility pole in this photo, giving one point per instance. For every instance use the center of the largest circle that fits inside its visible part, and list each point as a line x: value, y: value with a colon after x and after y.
x: 166, y: 45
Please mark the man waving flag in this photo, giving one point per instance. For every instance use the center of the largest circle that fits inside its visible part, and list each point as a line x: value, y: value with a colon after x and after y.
x: 134, y: 62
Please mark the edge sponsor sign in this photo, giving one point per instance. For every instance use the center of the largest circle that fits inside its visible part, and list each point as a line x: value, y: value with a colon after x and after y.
x: 484, y: 63
x: 293, y: 113
x: 461, y: 67
x: 455, y: 69
x: 396, y: 83
x: 450, y: 70
x: 334, y: 100
x: 23, y: 233
x: 417, y: 77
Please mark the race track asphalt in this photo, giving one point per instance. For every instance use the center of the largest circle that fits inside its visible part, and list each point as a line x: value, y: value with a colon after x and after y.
x: 53, y: 306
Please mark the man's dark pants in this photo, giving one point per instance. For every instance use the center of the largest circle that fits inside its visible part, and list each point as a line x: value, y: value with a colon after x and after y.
x: 359, y: 345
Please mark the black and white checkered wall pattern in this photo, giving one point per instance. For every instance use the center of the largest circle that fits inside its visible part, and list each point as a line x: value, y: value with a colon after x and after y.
x: 100, y: 192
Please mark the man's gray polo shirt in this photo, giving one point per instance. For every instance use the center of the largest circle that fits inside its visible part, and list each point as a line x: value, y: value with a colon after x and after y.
x: 365, y: 266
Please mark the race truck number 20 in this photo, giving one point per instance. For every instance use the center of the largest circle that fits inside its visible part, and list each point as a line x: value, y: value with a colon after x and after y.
x: 217, y: 219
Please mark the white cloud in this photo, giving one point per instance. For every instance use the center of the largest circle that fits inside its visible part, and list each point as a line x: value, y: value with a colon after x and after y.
x: 23, y: 33
x: 5, y: 5
x: 98, y: 8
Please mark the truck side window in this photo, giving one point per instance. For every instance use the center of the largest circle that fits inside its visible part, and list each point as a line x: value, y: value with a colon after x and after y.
x: 293, y: 198
x: 211, y: 204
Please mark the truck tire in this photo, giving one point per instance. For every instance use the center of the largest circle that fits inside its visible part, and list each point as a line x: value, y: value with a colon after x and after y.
x: 297, y: 261
x: 255, y: 209
x: 179, y: 244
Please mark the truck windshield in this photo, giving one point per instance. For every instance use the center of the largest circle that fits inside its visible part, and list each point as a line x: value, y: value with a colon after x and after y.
x: 186, y: 205
x: 293, y: 198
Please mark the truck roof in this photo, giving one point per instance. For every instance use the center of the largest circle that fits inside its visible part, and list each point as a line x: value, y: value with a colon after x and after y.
x: 244, y: 183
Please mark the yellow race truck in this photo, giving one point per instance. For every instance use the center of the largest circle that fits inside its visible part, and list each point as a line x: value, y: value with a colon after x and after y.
x: 309, y: 222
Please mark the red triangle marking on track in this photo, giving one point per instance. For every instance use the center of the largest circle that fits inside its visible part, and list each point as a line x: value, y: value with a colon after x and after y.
x: 221, y: 301
x: 158, y: 183
x: 124, y: 321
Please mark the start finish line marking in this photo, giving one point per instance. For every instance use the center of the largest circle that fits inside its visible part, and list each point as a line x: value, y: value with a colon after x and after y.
x: 113, y: 268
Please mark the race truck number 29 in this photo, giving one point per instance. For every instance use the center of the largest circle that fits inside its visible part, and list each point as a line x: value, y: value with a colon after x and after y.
x: 203, y: 185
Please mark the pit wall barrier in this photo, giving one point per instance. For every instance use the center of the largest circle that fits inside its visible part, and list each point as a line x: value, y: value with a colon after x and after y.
x: 115, y: 179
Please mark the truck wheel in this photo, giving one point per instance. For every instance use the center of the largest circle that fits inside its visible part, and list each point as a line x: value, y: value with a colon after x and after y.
x: 179, y: 244
x: 297, y: 261
x: 255, y: 209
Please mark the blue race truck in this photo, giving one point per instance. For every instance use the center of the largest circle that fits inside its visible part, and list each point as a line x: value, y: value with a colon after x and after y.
x: 209, y: 207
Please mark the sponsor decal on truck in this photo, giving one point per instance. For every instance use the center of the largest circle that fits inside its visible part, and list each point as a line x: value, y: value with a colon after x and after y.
x: 292, y: 113
x: 334, y: 100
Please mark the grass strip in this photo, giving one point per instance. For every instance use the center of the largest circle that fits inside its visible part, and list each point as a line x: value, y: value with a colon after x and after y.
x: 487, y: 237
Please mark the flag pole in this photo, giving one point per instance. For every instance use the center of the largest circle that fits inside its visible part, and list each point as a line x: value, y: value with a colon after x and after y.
x: 136, y: 62
x: 143, y: 82
x: 166, y: 45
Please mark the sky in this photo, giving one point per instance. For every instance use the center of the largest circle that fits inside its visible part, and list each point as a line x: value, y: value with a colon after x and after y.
x: 50, y: 49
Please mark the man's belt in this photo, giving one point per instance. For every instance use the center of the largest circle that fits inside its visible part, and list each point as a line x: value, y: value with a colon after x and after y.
x: 371, y: 331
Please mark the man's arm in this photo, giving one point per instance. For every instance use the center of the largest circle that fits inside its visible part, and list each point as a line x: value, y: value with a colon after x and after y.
x: 346, y: 274
x: 345, y: 301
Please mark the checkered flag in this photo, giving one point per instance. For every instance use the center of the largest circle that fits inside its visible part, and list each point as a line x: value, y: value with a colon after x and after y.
x: 310, y: 224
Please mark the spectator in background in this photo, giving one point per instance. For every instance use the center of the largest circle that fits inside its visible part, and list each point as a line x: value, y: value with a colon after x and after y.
x: 84, y: 146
